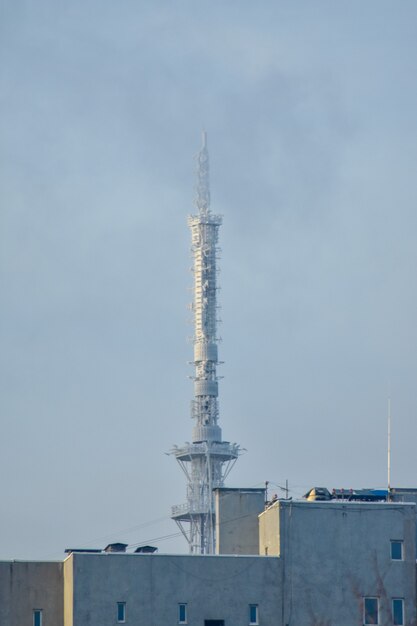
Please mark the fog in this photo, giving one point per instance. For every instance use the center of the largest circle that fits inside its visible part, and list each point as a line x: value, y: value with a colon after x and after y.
x: 310, y: 110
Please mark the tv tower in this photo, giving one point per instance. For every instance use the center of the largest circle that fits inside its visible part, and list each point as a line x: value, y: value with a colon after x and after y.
x: 206, y: 461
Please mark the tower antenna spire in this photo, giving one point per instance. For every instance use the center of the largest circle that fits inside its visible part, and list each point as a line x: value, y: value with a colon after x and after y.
x: 206, y: 461
x: 202, y: 201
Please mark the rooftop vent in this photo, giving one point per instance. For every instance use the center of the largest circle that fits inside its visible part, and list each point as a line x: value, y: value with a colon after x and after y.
x: 116, y: 547
x: 318, y: 493
x: 146, y: 550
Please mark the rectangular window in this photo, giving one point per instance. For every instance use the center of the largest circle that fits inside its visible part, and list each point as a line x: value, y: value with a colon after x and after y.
x: 398, y: 611
x: 253, y: 614
x: 37, y: 617
x: 397, y: 550
x: 121, y: 612
x: 371, y: 611
x: 182, y: 614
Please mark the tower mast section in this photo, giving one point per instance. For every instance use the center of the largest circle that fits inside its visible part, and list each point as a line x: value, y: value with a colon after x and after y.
x: 207, y: 460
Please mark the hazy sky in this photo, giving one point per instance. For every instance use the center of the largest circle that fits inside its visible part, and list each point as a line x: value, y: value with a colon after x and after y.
x: 311, y: 114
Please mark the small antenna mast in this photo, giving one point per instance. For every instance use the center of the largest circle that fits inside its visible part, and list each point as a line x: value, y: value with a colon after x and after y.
x: 389, y: 448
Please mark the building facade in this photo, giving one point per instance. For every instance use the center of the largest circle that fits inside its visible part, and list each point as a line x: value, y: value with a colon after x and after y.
x: 31, y: 593
x: 344, y: 563
x: 155, y: 590
x: 334, y: 563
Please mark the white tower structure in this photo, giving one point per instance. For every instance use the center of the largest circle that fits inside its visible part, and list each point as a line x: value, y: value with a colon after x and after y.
x: 207, y: 460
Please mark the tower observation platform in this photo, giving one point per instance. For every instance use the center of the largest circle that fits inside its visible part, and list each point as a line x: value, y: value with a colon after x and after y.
x: 206, y: 461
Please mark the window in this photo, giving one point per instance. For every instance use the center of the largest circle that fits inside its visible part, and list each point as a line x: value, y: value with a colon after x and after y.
x: 37, y: 617
x: 370, y: 611
x: 182, y: 614
x: 397, y: 550
x: 253, y: 614
x: 398, y: 611
x: 121, y: 612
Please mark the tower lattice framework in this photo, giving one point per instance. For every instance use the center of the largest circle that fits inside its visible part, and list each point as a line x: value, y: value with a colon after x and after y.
x: 206, y: 461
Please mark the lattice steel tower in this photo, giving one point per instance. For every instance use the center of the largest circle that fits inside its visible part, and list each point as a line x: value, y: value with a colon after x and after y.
x: 207, y: 460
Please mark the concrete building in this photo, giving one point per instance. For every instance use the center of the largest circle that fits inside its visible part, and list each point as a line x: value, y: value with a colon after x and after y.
x: 236, y: 513
x: 154, y: 590
x: 343, y: 563
x: 334, y: 563
x: 31, y: 593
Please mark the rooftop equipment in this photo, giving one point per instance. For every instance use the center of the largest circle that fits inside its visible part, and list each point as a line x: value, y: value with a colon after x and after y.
x: 82, y: 550
x: 358, y: 495
x: 146, y: 550
x: 116, y: 547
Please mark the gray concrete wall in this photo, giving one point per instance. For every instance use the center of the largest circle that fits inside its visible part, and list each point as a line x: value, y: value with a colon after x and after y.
x: 405, y: 495
x: 334, y: 554
x: 237, y: 513
x: 25, y: 586
x: 214, y: 587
